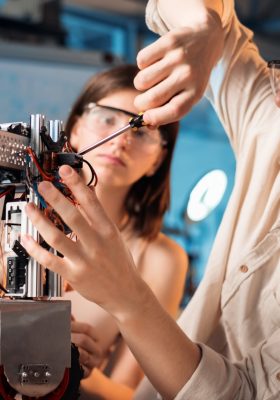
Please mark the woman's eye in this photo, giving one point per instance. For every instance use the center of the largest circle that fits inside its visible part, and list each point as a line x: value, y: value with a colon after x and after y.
x: 140, y: 133
x: 108, y: 121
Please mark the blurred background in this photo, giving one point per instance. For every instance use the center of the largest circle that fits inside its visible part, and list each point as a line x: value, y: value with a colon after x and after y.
x: 49, y: 48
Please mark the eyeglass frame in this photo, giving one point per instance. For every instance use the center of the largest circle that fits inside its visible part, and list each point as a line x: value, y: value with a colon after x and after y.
x: 91, y: 105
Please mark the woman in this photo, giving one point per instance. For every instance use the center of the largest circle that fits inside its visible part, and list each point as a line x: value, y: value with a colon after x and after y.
x: 133, y: 173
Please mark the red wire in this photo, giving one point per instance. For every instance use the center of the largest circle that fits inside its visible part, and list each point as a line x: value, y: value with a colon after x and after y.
x: 36, y: 162
x: 6, y: 192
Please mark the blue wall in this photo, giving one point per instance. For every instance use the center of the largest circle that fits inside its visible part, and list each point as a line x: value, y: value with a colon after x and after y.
x: 30, y: 87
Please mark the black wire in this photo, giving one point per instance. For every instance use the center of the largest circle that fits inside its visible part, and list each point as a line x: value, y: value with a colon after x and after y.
x: 6, y: 191
x: 93, y: 173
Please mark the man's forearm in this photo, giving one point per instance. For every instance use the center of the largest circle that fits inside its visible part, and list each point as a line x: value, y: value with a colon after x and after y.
x: 165, y: 353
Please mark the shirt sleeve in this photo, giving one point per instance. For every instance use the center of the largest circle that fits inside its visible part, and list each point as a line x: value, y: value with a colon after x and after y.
x: 228, y: 11
x: 240, y: 90
x: 153, y: 19
x: 156, y: 24
x: 256, y: 377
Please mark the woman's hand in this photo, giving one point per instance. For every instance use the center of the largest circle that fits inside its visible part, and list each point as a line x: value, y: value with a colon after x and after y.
x: 84, y: 337
x: 98, y: 265
x: 176, y: 68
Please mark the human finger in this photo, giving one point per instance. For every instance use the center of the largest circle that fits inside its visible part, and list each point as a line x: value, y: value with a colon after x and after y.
x: 90, y: 359
x: 179, y: 80
x: 151, y: 54
x: 43, y: 257
x: 52, y: 235
x: 158, y: 49
x: 83, y: 335
x: 86, y: 197
x: 72, y: 270
x: 68, y: 211
x: 152, y: 75
x: 83, y: 360
x: 84, y: 328
x: 172, y: 111
x: 87, y: 337
x: 161, y: 69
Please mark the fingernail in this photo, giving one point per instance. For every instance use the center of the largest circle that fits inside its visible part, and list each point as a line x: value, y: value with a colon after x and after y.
x: 44, y: 187
x: 65, y: 171
x: 146, y: 119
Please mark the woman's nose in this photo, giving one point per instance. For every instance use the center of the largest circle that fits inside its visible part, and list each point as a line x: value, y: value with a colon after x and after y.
x: 123, y: 139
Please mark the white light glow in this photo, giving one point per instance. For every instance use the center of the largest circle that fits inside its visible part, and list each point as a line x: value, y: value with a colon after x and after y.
x: 206, y: 195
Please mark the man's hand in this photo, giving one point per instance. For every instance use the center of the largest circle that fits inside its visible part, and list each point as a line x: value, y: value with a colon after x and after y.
x: 176, y: 68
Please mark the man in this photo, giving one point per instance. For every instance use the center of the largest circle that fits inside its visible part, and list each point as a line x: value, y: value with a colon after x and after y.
x: 228, y: 346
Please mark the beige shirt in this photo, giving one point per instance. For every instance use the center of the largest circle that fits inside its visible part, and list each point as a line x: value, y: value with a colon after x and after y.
x: 235, y: 313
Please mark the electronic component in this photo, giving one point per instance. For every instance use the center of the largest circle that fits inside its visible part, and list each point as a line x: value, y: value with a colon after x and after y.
x: 30, y: 153
x: 41, y: 363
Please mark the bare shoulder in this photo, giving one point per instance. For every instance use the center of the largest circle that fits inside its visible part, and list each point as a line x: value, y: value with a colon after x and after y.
x: 166, y: 251
x: 164, y: 267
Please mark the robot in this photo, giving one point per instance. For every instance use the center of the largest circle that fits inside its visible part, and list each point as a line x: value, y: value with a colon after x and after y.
x: 37, y: 359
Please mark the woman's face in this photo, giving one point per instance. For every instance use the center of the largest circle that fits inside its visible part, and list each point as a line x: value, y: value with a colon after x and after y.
x: 125, y: 159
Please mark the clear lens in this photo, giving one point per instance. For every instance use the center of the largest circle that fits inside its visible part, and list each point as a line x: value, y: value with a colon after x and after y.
x: 102, y: 122
x: 274, y: 67
x: 146, y: 136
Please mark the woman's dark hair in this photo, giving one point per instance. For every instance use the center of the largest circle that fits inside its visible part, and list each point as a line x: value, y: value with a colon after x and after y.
x: 149, y: 197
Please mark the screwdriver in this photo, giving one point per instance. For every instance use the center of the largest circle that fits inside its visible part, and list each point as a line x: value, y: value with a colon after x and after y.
x: 134, y: 123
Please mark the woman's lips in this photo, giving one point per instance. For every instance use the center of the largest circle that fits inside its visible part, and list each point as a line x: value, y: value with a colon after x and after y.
x: 112, y: 159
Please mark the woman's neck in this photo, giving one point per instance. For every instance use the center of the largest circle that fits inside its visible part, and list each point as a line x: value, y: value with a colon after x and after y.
x: 112, y: 200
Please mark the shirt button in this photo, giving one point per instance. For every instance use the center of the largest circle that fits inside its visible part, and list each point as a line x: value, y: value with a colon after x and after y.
x: 244, y: 268
x: 278, y: 376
